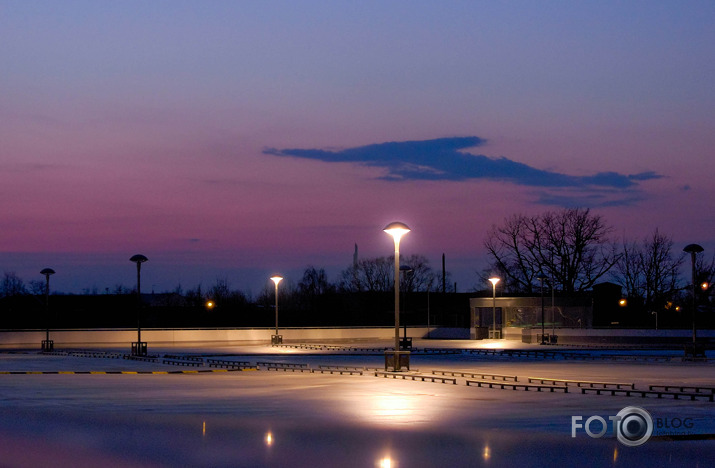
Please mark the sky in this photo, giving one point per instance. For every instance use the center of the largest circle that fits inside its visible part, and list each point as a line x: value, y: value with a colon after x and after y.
x: 234, y: 140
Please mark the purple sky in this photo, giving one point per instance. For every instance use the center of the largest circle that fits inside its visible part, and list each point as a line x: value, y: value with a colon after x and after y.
x: 236, y: 139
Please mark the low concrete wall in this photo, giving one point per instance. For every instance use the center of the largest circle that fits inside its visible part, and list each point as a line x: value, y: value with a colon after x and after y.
x: 198, y: 337
x: 610, y: 335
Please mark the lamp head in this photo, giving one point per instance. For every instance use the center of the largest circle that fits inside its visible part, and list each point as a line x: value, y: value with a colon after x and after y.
x: 276, y: 279
x: 47, y: 272
x: 138, y: 258
x: 693, y: 248
x: 396, y: 230
x: 494, y: 281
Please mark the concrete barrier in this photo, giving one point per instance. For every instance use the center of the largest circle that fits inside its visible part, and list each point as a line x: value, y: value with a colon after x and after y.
x: 194, y: 336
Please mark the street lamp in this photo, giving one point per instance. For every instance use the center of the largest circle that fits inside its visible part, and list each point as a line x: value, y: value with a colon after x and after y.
x: 693, y: 249
x: 494, y: 281
x: 47, y: 345
x: 397, y: 230
x: 139, y: 348
x: 541, y: 278
x: 276, y: 339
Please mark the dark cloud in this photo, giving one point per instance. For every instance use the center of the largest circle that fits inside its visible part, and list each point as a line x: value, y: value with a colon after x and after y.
x: 593, y: 198
x: 448, y: 159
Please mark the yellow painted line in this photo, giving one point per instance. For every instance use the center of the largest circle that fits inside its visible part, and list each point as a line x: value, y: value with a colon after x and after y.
x: 126, y: 372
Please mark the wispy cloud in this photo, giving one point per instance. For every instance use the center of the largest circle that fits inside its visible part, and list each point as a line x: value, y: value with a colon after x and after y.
x: 448, y: 159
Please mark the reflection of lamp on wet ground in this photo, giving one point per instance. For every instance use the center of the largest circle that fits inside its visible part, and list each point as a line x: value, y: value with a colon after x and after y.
x: 139, y: 348
x: 693, y: 250
x: 397, y: 230
x: 276, y: 339
x: 494, y: 281
x: 47, y: 345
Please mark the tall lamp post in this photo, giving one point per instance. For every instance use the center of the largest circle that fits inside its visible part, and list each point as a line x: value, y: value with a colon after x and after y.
x: 47, y: 345
x: 494, y: 281
x: 139, y: 348
x: 397, y: 230
x: 541, y: 278
x: 406, y: 270
x: 693, y: 250
x: 276, y: 339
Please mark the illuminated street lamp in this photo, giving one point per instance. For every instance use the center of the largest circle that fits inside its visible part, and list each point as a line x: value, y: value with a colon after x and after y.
x: 693, y: 250
x: 494, y: 281
x: 139, y: 348
x: 47, y: 345
x: 397, y: 230
x: 276, y: 339
x: 541, y: 278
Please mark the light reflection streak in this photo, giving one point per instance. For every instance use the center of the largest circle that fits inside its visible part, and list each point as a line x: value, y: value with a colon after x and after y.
x: 386, y: 462
x: 268, y: 439
x: 403, y: 408
x: 487, y: 453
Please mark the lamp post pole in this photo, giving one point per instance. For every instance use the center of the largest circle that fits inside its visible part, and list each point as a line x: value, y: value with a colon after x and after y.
x: 693, y: 250
x: 494, y: 282
x: 397, y: 230
x: 139, y: 348
x: 276, y: 339
x: 47, y: 345
x: 542, y: 277
x: 406, y: 269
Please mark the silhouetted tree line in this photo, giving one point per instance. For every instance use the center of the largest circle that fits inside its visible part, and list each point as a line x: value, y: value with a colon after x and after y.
x: 572, y: 250
x: 362, y: 296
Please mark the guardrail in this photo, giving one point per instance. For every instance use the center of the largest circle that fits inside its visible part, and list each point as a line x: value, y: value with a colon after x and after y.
x: 581, y: 383
x: 474, y: 375
x: 647, y: 393
x: 422, y: 377
x: 515, y: 386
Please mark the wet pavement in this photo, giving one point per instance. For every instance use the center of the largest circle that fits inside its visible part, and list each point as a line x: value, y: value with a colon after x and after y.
x: 151, y: 414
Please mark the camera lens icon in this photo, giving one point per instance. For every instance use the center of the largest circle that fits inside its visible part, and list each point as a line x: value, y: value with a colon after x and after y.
x: 634, y: 426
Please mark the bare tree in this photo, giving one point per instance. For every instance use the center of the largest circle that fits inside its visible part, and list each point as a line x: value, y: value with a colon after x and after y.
x: 314, y: 282
x: 376, y: 275
x: 648, y: 271
x: 12, y: 285
x: 571, y: 246
x: 420, y: 277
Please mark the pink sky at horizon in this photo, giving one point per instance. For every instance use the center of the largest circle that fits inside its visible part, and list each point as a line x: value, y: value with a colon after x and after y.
x: 140, y: 128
